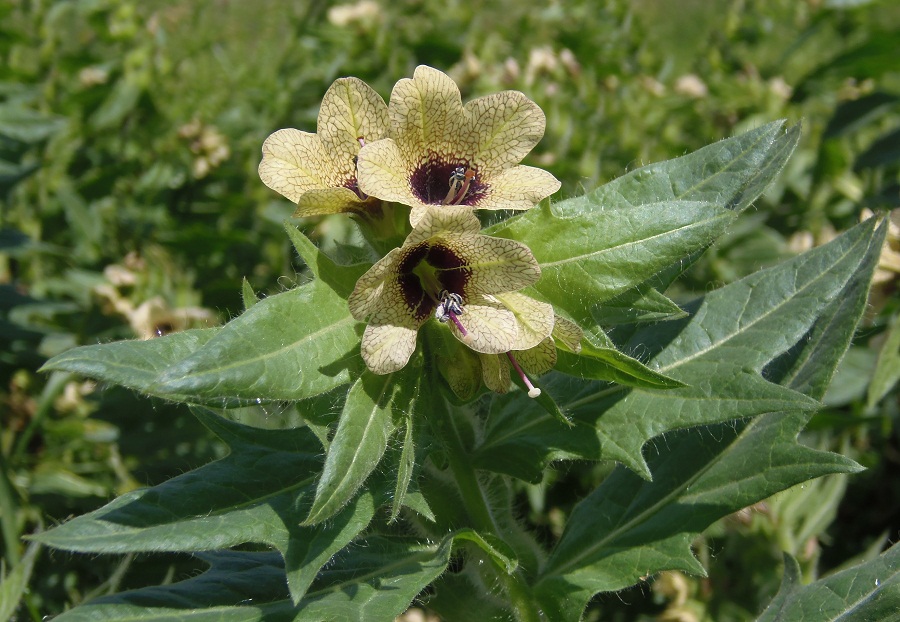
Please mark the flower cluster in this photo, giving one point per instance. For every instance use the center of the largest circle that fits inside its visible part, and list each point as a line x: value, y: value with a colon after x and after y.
x: 441, y: 159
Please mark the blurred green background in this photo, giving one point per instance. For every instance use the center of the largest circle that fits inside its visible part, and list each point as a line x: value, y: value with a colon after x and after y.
x: 130, y: 133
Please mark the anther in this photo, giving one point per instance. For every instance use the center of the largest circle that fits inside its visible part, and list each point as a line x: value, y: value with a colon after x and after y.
x: 468, y: 176
x: 361, y: 140
x: 449, y: 308
x: 533, y: 391
x: 457, y: 177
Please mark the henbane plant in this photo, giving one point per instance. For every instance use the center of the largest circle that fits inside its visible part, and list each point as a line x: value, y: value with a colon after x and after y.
x: 462, y: 361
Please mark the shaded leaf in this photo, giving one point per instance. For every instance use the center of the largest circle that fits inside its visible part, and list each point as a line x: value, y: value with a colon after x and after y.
x: 14, y: 582
x: 258, y: 493
x: 341, y: 279
x: 853, y: 114
x: 641, y: 304
x: 594, y: 363
x: 629, y: 528
x: 883, y: 151
x: 869, y: 591
x: 887, y: 370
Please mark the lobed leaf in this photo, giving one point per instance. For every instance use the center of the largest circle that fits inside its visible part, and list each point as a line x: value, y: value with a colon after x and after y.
x: 720, y: 354
x: 258, y: 493
x: 629, y: 528
x: 372, y: 580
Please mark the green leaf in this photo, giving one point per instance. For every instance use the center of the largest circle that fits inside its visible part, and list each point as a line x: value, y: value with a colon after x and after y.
x: 637, y: 242
x: 258, y: 493
x: 731, y: 173
x: 628, y: 528
x: 887, y: 370
x: 869, y: 591
x: 134, y: 364
x: 27, y: 125
x: 499, y: 552
x: 364, y: 428
x: 652, y: 218
x: 247, y: 294
x: 810, y: 364
x: 14, y: 584
x: 883, y: 152
x: 289, y: 346
x: 375, y: 579
x: 406, y: 466
x: 254, y: 579
x: 457, y: 595
x: 641, y: 304
x: 593, y: 363
x: 720, y: 354
x: 341, y: 279
x: 854, y: 114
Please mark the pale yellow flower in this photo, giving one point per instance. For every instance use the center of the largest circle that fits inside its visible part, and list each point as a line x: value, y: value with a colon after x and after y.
x: 318, y: 171
x: 443, y: 153
x: 535, y: 360
x: 448, y: 271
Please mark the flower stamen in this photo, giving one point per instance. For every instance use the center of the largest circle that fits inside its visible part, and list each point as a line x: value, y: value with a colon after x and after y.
x: 457, y: 177
x: 450, y: 308
x: 533, y: 391
x: 468, y: 176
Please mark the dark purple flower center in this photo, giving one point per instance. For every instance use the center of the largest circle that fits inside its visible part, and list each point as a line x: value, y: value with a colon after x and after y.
x: 431, y: 181
x: 351, y: 183
x: 430, y: 266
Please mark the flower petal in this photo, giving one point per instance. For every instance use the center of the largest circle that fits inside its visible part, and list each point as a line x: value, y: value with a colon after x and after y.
x: 296, y: 162
x: 383, y: 172
x: 390, y: 337
x: 539, y: 359
x: 427, y: 113
x: 444, y: 220
x: 370, y: 286
x: 491, y: 328
x: 568, y: 333
x: 320, y: 201
x: 495, y: 372
x: 387, y: 347
x: 351, y: 110
x: 495, y: 265
x: 503, y: 128
x: 535, y: 318
x: 521, y: 187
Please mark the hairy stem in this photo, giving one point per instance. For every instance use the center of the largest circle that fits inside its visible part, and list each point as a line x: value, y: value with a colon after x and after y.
x: 476, y: 504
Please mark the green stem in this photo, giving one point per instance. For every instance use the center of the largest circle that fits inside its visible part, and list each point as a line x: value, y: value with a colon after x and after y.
x: 8, y: 511
x: 53, y: 389
x: 476, y: 504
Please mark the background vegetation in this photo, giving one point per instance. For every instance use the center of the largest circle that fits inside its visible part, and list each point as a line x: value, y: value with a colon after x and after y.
x: 129, y: 138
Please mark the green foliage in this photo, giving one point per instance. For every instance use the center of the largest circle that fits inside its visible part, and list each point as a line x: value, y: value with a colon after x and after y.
x: 868, y: 591
x: 273, y: 489
x: 301, y: 486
